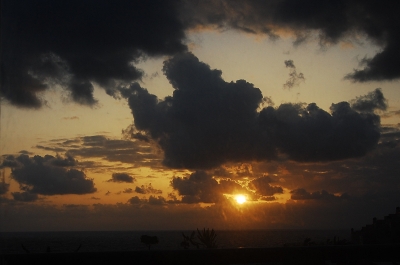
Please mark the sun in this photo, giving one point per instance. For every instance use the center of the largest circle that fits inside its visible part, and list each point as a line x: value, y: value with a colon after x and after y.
x: 240, y: 199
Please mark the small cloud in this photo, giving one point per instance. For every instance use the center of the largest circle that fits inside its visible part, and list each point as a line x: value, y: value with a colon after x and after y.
x: 302, y: 194
x: 294, y: 78
x: 390, y: 114
x: 121, y: 177
x: 135, y: 200
x: 94, y: 198
x: 157, y: 200
x: 108, y: 193
x: 24, y: 152
x: 71, y: 118
x: 127, y: 190
x: 147, y: 189
x: 268, y: 198
x: 54, y: 149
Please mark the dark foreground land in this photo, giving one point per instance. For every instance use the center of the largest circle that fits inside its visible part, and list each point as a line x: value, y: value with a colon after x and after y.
x: 359, y: 255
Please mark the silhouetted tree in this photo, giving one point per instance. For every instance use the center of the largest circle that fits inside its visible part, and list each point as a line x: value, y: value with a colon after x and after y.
x: 207, y: 237
x: 149, y: 240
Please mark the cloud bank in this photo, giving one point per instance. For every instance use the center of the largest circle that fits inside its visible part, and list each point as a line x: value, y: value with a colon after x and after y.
x: 208, y: 121
x: 75, y: 44
x: 39, y: 175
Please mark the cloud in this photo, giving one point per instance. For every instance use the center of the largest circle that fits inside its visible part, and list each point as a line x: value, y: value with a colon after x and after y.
x: 208, y: 122
x: 39, y: 175
x: 205, y: 122
x: 68, y: 161
x: 9, y: 161
x: 300, y: 214
x: 370, y: 102
x: 127, y: 190
x: 4, y: 187
x: 113, y: 150
x: 159, y: 200
x: 302, y: 194
x: 152, y: 200
x: 25, y: 196
x: 50, y: 148
x: 71, y: 118
x: 121, y: 177
x: 294, y: 77
x: 389, y: 114
x: 147, y: 189
x: 198, y: 187
x: 135, y: 200
x: 136, y: 153
x: 308, y: 133
x: 58, y: 45
x: 201, y: 186
x: 333, y: 21
x: 263, y: 187
x: 75, y: 54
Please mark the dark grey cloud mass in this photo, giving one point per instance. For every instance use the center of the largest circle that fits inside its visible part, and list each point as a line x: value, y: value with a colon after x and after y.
x: 208, y: 122
x: 38, y: 175
x: 334, y: 21
x: 121, y: 177
x: 75, y: 44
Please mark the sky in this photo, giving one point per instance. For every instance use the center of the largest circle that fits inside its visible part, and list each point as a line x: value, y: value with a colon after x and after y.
x: 156, y: 115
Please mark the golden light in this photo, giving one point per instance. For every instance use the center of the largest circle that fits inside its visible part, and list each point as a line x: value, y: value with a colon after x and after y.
x: 240, y: 199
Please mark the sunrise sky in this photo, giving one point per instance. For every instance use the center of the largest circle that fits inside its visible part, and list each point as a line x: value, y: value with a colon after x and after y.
x: 156, y: 114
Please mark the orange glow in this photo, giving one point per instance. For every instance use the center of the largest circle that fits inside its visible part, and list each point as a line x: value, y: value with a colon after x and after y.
x: 240, y: 199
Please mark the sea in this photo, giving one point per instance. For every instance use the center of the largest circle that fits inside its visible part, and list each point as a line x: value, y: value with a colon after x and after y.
x: 103, y: 241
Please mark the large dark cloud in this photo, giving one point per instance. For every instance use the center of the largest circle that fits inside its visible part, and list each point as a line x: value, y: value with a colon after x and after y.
x: 333, y: 20
x: 39, y: 175
x: 75, y: 44
x: 208, y: 122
